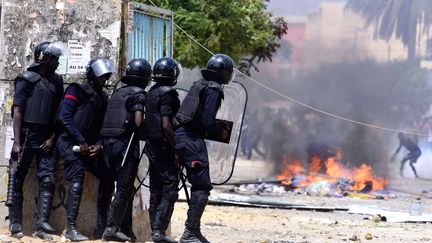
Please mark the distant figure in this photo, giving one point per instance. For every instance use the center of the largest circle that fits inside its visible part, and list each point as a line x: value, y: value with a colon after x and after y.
x: 254, y: 135
x: 414, y: 152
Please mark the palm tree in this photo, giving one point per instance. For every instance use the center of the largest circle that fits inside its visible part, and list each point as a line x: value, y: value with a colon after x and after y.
x: 402, y: 18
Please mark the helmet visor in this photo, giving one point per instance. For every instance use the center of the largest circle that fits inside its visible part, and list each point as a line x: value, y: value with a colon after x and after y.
x: 103, y: 66
x: 233, y: 75
x: 57, y: 49
x: 180, y: 72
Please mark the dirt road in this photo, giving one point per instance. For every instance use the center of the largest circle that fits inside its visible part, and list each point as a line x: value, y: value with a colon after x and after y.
x: 249, y: 225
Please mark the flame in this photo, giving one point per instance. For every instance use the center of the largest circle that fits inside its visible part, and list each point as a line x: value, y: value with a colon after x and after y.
x: 334, y: 169
x: 292, y: 168
x: 364, y: 175
x: 316, y: 164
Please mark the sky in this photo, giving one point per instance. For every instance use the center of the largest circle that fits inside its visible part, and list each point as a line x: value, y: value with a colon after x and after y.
x: 295, y: 7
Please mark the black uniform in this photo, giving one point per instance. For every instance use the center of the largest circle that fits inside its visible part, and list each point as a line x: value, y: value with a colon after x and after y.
x: 161, y: 101
x: 197, y: 118
x: 117, y: 129
x: 192, y: 148
x: 40, y: 97
x: 81, y: 116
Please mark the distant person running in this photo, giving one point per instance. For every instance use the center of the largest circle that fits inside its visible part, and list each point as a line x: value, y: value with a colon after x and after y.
x: 414, y: 152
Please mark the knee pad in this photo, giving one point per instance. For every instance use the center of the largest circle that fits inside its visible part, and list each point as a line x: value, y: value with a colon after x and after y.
x: 47, y: 184
x: 202, y: 197
x: 76, y: 186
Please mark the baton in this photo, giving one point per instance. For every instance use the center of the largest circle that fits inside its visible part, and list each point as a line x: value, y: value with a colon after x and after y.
x: 13, y: 168
x: 127, y: 149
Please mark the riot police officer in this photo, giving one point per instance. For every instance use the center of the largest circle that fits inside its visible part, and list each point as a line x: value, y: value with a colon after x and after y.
x: 197, y: 118
x: 162, y: 103
x: 120, y: 132
x: 37, y: 96
x: 81, y: 114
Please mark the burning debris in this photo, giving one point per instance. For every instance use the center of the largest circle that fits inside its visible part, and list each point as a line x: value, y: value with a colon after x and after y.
x: 323, y: 176
x: 359, y: 179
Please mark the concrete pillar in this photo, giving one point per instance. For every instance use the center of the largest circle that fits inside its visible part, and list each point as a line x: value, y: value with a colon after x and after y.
x: 92, y: 24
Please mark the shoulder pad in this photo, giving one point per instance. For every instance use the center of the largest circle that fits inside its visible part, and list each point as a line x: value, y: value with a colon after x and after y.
x: 201, y: 82
x: 84, y: 86
x: 133, y: 89
x: 30, y: 76
x: 136, y: 89
x: 215, y: 85
x: 129, y: 90
x: 163, y: 90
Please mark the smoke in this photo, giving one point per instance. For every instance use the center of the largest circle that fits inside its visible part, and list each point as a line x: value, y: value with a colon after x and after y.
x: 393, y: 95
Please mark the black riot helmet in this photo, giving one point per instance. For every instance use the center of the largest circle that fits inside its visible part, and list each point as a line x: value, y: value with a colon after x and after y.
x: 220, y: 68
x: 138, y: 72
x: 45, y: 50
x: 39, y: 50
x: 167, y: 71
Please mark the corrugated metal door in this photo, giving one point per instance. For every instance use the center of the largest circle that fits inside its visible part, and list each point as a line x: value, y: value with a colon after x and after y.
x: 150, y: 32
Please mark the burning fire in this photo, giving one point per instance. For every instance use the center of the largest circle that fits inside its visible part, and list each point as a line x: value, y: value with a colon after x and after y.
x: 334, y: 170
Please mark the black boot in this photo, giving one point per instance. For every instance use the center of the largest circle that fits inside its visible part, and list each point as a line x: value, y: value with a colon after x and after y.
x: 15, y: 216
x: 103, y: 202
x: 115, y: 217
x: 44, y: 203
x: 126, y: 224
x: 192, y: 233
x: 189, y: 236
x: 72, y: 208
x: 201, y: 236
x: 163, y: 217
x: 158, y: 236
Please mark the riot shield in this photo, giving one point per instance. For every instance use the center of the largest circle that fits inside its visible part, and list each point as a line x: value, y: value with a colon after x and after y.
x: 222, y: 156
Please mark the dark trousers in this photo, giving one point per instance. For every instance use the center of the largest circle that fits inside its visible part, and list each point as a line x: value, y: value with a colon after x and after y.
x: 194, y: 157
x: 164, y: 182
x: 75, y: 166
x: 115, y: 149
x: 125, y: 176
x: 46, y: 164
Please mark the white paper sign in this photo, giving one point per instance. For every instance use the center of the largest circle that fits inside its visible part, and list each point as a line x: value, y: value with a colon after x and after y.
x: 62, y: 67
x: 79, y: 57
x: 9, y: 142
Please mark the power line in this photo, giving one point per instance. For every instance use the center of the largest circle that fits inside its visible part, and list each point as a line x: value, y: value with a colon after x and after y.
x: 299, y: 102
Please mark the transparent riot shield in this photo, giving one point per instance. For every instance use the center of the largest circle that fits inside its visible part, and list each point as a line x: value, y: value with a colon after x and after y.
x: 222, y: 156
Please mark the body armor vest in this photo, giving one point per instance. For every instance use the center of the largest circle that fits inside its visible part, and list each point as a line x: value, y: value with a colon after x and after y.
x: 192, y: 101
x: 90, y: 113
x: 42, y: 105
x: 118, y: 118
x: 153, y: 119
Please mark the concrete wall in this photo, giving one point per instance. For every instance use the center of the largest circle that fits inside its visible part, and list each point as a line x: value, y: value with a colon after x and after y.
x: 93, y: 25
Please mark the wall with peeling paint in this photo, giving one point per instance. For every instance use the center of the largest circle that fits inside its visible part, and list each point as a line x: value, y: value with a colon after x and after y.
x: 94, y: 24
x: 25, y: 23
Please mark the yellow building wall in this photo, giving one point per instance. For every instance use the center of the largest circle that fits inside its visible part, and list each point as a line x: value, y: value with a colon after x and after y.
x: 334, y: 34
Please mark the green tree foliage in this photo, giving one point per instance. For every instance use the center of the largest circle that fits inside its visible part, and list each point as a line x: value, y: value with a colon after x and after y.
x: 396, y: 17
x: 242, y: 29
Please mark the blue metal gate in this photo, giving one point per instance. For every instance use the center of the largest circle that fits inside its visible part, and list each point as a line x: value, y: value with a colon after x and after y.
x: 150, y: 32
